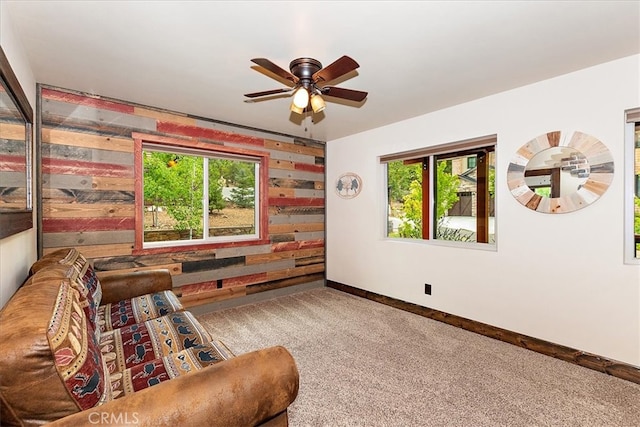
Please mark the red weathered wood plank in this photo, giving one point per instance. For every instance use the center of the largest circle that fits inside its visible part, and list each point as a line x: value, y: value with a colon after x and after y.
x: 56, y: 225
x: 77, y: 167
x: 299, y: 244
x: 199, y: 132
x: 12, y: 163
x: 192, y: 290
x: 298, y: 201
x: 87, y: 101
x: 250, y: 279
x: 198, y: 288
x: 309, y: 168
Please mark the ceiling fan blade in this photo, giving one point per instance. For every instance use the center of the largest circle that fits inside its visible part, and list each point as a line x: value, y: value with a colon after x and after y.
x: 336, y: 69
x: 267, y: 92
x: 350, y: 94
x: 268, y: 65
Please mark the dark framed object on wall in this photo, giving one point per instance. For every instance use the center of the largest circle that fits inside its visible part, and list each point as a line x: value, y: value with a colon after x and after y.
x: 16, y: 122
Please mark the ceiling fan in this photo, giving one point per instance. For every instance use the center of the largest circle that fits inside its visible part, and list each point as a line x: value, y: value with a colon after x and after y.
x: 307, y: 80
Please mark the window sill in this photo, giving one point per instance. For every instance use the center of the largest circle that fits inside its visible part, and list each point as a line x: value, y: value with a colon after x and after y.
x: 199, y: 247
x: 459, y: 245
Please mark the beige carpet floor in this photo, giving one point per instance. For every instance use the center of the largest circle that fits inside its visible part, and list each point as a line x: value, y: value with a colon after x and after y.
x: 366, y: 364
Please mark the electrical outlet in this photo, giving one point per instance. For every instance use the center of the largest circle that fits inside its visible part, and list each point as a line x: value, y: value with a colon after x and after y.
x: 427, y: 289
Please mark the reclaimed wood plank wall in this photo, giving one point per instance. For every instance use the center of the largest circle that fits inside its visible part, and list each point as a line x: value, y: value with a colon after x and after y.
x: 88, y: 197
x: 13, y: 178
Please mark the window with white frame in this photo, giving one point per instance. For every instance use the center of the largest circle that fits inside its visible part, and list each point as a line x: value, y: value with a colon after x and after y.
x: 444, y: 193
x: 191, y: 194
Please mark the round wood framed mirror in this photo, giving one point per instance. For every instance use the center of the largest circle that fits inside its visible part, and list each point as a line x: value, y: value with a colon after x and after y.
x: 551, y: 176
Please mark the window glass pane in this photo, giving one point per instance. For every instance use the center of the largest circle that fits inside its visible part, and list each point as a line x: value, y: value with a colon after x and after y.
x: 173, y: 196
x: 456, y: 198
x: 492, y: 196
x: 232, y: 197
x: 404, y: 189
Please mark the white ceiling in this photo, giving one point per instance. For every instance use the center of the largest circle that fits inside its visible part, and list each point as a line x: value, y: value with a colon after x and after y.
x: 415, y: 57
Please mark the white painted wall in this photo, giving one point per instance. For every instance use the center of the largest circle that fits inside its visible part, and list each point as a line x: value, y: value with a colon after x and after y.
x: 559, y: 277
x: 19, y: 251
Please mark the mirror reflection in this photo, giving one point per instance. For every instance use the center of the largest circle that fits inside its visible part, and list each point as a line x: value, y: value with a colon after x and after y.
x: 16, y: 119
x: 557, y: 172
x: 13, y: 153
x: 549, y: 174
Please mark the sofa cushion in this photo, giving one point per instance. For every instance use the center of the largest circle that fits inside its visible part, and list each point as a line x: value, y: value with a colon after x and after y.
x: 137, y: 310
x: 77, y: 357
x: 86, y: 276
x: 69, y: 272
x: 143, y: 342
x: 174, y: 365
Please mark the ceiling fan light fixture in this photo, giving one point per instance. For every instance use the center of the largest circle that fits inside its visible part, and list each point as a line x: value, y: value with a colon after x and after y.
x: 317, y: 103
x: 296, y: 109
x: 301, y: 98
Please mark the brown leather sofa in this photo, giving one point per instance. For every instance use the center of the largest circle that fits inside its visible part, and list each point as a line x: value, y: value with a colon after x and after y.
x: 135, y: 358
